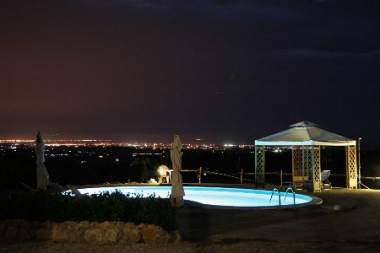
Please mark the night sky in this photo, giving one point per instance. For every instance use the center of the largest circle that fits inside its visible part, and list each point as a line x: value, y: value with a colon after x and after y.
x: 221, y: 70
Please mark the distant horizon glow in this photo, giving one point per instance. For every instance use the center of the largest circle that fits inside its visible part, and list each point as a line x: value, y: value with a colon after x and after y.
x: 100, y: 142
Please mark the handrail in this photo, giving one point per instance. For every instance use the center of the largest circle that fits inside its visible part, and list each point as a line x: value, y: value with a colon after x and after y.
x: 290, y: 189
x: 279, y: 196
x: 240, y: 176
x: 373, y: 178
x: 270, y: 173
x: 221, y: 174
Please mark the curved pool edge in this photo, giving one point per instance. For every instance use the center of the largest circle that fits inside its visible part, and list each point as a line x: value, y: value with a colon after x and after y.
x: 315, y: 201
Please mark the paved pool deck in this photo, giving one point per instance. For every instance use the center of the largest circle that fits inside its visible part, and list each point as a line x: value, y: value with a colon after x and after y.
x: 347, y: 221
x: 346, y: 217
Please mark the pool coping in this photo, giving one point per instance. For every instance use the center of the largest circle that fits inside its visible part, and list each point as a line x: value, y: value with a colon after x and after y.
x: 316, y: 201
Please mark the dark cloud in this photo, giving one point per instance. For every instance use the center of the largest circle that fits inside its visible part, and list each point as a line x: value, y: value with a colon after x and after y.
x: 218, y: 69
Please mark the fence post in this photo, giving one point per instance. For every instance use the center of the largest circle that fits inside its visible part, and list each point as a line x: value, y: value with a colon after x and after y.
x: 200, y: 175
x: 281, y: 177
x: 241, y: 176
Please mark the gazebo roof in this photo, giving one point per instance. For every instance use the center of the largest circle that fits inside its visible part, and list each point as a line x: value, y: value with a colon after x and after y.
x: 305, y: 133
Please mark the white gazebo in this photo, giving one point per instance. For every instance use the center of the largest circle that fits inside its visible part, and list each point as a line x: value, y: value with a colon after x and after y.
x: 305, y: 140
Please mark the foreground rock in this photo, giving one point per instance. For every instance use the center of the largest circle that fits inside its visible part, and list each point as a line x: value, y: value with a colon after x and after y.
x: 153, y: 234
x: 86, y: 232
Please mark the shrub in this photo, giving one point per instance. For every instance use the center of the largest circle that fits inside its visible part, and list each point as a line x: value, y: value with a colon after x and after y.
x: 40, y: 206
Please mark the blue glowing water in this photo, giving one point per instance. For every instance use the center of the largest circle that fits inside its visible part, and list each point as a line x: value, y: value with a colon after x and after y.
x: 218, y: 196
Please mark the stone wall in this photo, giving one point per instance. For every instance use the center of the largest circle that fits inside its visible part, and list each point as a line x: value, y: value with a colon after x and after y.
x: 86, y: 232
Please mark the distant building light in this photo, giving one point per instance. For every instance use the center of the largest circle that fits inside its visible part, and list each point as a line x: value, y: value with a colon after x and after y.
x: 117, y: 160
x: 100, y: 156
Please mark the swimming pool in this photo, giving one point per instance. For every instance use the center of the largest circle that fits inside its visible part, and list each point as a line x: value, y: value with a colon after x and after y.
x: 214, y: 196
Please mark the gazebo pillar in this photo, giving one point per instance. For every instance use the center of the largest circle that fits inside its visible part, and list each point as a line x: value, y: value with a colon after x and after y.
x: 351, y: 168
x: 311, y: 166
x: 259, y: 165
x: 297, y: 169
x: 316, y: 168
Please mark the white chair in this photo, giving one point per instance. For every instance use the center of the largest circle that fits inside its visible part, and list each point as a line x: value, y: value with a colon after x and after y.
x: 325, y: 174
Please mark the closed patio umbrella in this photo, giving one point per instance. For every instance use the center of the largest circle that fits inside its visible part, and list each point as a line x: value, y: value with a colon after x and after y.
x: 42, y: 174
x: 176, y: 178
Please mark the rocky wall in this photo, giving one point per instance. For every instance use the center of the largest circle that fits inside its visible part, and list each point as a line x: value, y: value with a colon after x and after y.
x: 86, y: 232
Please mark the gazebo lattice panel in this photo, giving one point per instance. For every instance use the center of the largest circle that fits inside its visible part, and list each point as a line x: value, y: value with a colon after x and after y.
x: 260, y: 165
x: 316, y: 168
x: 351, y: 167
x: 297, y: 162
x: 307, y: 162
x: 311, y: 165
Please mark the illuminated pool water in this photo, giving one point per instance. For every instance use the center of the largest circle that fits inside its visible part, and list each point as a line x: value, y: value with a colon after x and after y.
x: 216, y: 196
